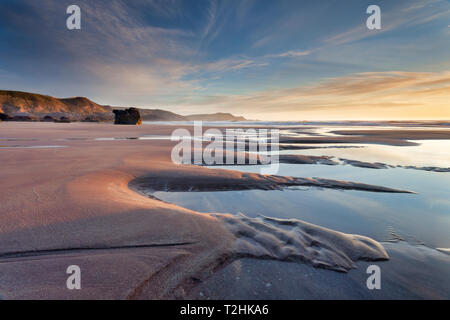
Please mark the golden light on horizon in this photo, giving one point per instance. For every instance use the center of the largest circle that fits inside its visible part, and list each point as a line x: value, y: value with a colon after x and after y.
x: 392, y: 95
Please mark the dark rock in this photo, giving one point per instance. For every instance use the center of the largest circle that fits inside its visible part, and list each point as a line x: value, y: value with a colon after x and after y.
x: 21, y: 118
x: 4, y: 117
x: 63, y: 120
x: 48, y: 119
x: 90, y: 119
x: 127, y: 116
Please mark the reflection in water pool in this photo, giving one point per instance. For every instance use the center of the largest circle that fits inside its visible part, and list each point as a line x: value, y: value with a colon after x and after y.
x: 417, y: 218
x: 428, y: 153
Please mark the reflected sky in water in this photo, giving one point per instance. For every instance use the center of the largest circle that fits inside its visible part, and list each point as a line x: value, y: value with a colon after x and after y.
x: 428, y: 153
x: 417, y: 218
x: 422, y: 217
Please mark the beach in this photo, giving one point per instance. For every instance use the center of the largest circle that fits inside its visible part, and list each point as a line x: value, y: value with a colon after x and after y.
x: 83, y: 194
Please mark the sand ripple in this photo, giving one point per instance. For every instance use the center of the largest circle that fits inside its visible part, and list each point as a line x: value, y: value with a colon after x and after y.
x: 296, y: 240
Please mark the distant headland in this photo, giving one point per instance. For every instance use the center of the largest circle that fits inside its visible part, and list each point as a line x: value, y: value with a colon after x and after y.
x: 25, y: 106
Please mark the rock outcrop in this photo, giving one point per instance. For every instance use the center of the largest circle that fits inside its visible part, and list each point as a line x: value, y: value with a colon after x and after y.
x: 63, y: 120
x: 127, y: 116
x: 47, y: 119
x: 4, y: 117
x: 90, y: 119
x: 23, y: 117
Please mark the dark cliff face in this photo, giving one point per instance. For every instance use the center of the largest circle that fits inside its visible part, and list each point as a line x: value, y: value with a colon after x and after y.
x: 127, y: 116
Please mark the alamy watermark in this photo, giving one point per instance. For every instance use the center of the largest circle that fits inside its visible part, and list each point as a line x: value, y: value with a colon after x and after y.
x: 73, y: 282
x: 229, y: 146
x: 73, y: 22
x: 374, y: 20
x: 374, y: 280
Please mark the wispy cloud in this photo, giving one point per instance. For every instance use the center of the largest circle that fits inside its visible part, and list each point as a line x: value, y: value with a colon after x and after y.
x: 290, y: 54
x: 211, y: 18
x: 363, y: 95
x: 226, y: 65
x: 418, y: 12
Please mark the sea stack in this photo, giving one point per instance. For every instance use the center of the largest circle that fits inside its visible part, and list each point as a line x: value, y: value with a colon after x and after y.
x: 127, y: 116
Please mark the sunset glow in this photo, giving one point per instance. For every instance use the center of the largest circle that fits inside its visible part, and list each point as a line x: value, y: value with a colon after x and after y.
x: 292, y: 60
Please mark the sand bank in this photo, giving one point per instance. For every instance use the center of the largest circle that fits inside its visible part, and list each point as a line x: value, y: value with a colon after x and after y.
x: 195, y: 179
x: 402, y: 134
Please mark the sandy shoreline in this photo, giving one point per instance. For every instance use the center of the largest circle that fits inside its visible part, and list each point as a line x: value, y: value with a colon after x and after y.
x: 78, y: 197
x: 74, y: 205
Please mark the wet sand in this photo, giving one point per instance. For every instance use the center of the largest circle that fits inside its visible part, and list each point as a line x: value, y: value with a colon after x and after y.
x: 402, y: 277
x: 401, y: 134
x: 72, y: 204
x: 76, y: 201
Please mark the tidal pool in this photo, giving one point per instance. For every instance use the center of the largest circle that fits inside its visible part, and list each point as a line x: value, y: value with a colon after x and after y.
x: 422, y: 218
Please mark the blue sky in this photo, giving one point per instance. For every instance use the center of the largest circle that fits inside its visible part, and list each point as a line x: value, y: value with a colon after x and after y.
x: 262, y: 59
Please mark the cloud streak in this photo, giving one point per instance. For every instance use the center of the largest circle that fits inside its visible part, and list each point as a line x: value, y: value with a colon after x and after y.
x: 290, y: 54
x: 418, y: 12
x: 362, y: 95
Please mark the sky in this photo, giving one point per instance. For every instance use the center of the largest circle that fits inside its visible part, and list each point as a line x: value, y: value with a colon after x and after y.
x: 263, y: 59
